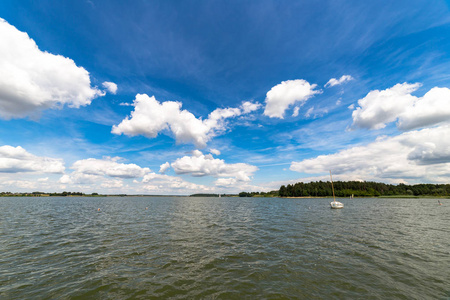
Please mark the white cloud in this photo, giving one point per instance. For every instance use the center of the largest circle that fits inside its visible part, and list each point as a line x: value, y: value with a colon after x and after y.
x: 334, y: 81
x: 81, y: 178
x: 214, y: 151
x: 151, y: 183
x: 215, y: 122
x: 226, y: 182
x: 108, y: 166
x: 21, y: 184
x: 65, y: 179
x: 232, y: 185
x: 202, y: 165
x: 110, y: 86
x: 296, y: 110
x: 99, y: 179
x: 287, y: 93
x: 164, y: 167
x: 248, y: 107
x: 415, y: 156
x: 433, y: 108
x: 164, y: 184
x: 197, y: 153
x: 150, y: 117
x: 309, y: 112
x: 17, y: 159
x: 105, y: 174
x: 32, y: 80
x: 112, y: 184
x: 381, y: 107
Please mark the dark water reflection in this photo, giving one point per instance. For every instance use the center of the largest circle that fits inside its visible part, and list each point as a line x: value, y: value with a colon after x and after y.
x: 223, y: 248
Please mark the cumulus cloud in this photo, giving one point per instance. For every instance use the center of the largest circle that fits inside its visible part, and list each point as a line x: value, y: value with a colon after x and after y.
x: 433, y: 108
x: 417, y: 156
x: 110, y: 87
x: 226, y: 182
x: 214, y: 151
x: 20, y: 184
x: 81, y: 178
x: 17, y: 159
x: 65, y: 179
x: 164, y: 167
x: 112, y: 184
x: 202, y: 165
x: 150, y: 117
x: 287, y: 93
x: 232, y: 184
x: 248, y: 107
x: 153, y: 182
x: 108, y: 166
x: 334, y: 81
x: 105, y: 173
x: 32, y: 80
x: 381, y: 107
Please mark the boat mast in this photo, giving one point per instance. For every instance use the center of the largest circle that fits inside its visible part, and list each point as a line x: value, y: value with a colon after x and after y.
x: 332, y: 187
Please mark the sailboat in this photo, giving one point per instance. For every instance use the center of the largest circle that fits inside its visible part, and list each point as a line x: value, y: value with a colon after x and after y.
x: 335, y: 204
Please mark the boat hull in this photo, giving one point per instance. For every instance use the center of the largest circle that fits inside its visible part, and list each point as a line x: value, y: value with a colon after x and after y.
x: 336, y: 205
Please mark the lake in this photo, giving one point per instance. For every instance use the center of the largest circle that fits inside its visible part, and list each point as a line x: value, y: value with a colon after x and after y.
x: 223, y: 248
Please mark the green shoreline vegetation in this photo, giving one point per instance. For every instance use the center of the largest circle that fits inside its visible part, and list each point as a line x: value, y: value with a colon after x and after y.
x: 78, y: 194
x: 363, y: 189
x: 42, y: 194
x: 317, y: 189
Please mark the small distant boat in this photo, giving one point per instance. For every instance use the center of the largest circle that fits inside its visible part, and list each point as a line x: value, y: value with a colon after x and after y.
x: 335, y: 204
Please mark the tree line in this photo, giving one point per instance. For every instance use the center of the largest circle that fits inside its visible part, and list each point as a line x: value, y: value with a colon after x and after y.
x: 361, y: 189
x: 42, y: 194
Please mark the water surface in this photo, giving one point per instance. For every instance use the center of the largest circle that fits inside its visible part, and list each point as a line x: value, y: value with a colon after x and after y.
x: 223, y: 248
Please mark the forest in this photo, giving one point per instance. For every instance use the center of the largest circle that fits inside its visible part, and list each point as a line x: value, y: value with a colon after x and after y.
x: 361, y: 189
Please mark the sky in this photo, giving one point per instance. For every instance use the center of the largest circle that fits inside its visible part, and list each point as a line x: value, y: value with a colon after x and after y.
x: 184, y: 97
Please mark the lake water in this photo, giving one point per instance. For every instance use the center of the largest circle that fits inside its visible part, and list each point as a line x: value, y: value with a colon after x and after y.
x: 223, y: 248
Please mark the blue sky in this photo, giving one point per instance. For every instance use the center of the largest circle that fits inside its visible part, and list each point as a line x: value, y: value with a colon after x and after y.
x: 171, y: 97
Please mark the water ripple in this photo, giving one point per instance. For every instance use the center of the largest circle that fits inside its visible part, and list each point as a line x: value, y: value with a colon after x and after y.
x: 227, y: 248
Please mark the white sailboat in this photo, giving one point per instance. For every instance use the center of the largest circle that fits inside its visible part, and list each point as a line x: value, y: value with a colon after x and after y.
x: 335, y: 204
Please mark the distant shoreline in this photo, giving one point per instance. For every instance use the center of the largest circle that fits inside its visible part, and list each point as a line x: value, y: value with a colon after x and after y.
x: 362, y: 197
x: 228, y: 196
